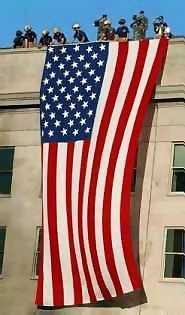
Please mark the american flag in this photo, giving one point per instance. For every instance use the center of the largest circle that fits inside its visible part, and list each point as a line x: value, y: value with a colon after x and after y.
x: 93, y: 100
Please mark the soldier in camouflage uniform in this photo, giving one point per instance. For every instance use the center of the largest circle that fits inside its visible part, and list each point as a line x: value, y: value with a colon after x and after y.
x: 143, y: 23
x: 139, y: 26
x: 134, y: 26
x: 100, y: 25
x: 108, y: 32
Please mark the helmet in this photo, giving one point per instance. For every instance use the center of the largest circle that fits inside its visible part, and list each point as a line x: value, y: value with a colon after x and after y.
x: 122, y: 21
x: 56, y: 30
x: 27, y: 28
x: 18, y: 33
x: 45, y: 32
x: 76, y: 26
x: 107, y: 22
x: 103, y: 17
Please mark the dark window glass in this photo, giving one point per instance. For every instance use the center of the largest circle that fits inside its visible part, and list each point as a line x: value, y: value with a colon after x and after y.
x: 5, y: 183
x: 174, y: 266
x: 175, y: 254
x: 175, y: 241
x: 179, y: 156
x: 36, y: 258
x: 6, y: 159
x: 178, y: 181
x: 133, y: 180
x: 2, y: 244
x: 133, y: 188
x: 6, y: 167
x: 38, y: 251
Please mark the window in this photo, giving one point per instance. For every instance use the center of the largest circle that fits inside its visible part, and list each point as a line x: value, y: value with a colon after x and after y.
x: 2, y: 245
x: 133, y: 187
x: 6, y: 167
x: 178, y: 176
x: 36, y: 256
x: 133, y: 180
x: 175, y: 253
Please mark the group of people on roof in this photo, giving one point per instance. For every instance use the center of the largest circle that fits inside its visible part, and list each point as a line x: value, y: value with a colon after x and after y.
x: 105, y: 32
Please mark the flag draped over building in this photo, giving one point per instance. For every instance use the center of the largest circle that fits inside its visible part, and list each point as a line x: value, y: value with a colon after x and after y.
x: 93, y: 100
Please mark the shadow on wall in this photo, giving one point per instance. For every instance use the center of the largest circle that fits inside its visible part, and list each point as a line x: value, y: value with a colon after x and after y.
x: 126, y: 301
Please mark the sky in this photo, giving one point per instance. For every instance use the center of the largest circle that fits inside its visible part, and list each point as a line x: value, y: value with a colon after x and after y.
x: 15, y: 14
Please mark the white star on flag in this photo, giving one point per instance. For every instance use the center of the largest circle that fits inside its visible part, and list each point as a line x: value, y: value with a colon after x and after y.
x: 51, y: 133
x: 55, y: 58
x: 89, y: 49
x: 52, y: 75
x: 57, y: 123
x: 76, y: 48
x: 55, y: 98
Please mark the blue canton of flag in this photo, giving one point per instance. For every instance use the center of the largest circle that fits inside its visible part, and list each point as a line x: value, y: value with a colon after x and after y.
x: 70, y: 90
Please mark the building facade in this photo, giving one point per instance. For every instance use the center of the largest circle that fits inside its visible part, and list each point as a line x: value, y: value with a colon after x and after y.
x: 158, y: 202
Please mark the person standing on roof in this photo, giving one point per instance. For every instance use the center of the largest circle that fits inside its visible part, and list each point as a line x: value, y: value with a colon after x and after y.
x: 45, y: 39
x: 30, y: 37
x: 108, y: 32
x: 18, y: 41
x: 79, y: 35
x: 122, y: 31
x: 58, y: 37
x: 161, y: 28
x: 167, y: 32
x: 100, y: 26
x: 142, y: 23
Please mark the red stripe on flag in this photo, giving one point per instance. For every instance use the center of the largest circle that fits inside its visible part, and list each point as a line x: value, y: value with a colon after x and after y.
x: 58, y: 294
x: 127, y: 179
x: 80, y: 220
x: 75, y: 271
x: 127, y: 106
x: 115, y: 85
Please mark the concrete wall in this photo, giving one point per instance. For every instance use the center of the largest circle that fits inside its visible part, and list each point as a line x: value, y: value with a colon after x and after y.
x: 20, y: 75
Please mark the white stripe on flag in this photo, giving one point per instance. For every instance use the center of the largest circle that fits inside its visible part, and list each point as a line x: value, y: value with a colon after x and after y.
x: 62, y: 225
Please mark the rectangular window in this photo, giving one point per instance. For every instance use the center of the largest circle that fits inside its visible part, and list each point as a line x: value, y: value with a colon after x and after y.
x: 36, y: 256
x: 178, y: 171
x: 2, y: 245
x: 133, y: 188
x: 133, y: 180
x: 6, y: 169
x: 175, y: 254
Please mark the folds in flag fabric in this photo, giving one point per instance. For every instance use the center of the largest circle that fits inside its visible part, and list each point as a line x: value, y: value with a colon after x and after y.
x: 93, y: 100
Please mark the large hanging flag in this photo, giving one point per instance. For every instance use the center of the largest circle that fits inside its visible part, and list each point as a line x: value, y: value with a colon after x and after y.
x: 93, y: 100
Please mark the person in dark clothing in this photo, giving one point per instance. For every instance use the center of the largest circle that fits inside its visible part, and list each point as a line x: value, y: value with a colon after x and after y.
x: 18, y: 40
x: 159, y: 26
x: 58, y: 37
x: 79, y: 35
x: 45, y: 39
x: 30, y: 37
x: 122, y: 31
